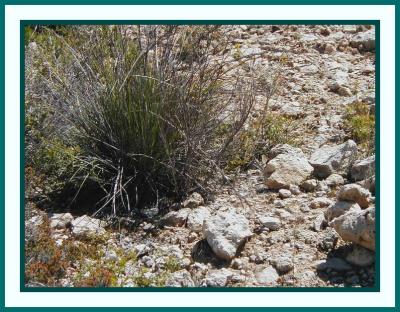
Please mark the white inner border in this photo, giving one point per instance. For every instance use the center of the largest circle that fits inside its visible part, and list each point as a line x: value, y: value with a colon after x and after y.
x: 14, y: 298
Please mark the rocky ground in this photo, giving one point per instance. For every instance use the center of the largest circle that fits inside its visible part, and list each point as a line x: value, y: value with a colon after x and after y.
x: 303, y: 218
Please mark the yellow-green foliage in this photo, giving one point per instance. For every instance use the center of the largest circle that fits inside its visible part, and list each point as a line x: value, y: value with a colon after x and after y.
x: 360, y: 124
x: 264, y: 133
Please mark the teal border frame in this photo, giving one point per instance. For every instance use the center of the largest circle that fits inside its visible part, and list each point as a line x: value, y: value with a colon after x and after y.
x: 155, y: 2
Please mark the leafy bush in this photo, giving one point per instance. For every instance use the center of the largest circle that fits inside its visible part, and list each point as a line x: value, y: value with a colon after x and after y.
x: 132, y: 112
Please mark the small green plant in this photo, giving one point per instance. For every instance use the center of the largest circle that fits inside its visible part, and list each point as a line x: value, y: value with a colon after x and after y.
x: 360, y: 124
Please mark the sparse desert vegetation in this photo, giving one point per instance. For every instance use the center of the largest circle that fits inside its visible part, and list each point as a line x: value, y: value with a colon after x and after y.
x: 199, y: 156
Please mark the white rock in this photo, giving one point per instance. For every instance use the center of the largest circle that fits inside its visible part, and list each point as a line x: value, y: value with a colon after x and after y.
x: 285, y: 170
x: 267, y: 277
x: 357, y: 227
x: 283, y: 264
x: 283, y: 193
x: 87, y: 226
x: 196, y: 218
x: 319, y: 223
x: 340, y: 208
x: 60, y: 220
x: 284, y: 149
x: 364, y: 39
x: 334, y: 180
x: 333, y: 159
x: 355, y: 193
x: 226, y: 232
x: 363, y: 169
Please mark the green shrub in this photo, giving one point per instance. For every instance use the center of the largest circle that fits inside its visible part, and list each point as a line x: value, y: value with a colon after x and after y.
x: 130, y: 113
x: 360, y: 124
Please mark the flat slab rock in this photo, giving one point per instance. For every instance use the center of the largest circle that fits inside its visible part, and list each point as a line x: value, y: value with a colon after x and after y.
x: 86, y: 226
x: 226, y: 232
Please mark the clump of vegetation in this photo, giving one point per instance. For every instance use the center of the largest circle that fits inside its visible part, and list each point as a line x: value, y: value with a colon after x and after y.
x: 129, y: 113
x: 44, y: 263
x: 360, y: 124
x: 264, y: 133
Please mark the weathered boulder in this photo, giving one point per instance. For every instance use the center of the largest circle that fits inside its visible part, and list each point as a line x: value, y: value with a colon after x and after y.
x: 364, y: 41
x: 287, y: 169
x: 87, y: 226
x: 355, y: 193
x: 335, y: 264
x: 333, y: 159
x: 196, y: 218
x: 363, y: 169
x: 226, y: 232
x: 357, y: 227
x: 340, y: 208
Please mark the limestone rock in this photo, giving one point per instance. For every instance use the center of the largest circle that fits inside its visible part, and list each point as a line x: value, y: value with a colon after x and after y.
x: 361, y: 256
x: 87, y: 226
x: 267, y: 277
x: 285, y: 170
x: 364, y: 41
x: 357, y: 227
x: 333, y: 159
x: 176, y: 218
x: 193, y: 201
x: 340, y: 208
x: 60, y: 220
x: 180, y: 278
x: 196, y: 218
x: 363, y: 169
x: 355, y: 193
x: 226, y: 232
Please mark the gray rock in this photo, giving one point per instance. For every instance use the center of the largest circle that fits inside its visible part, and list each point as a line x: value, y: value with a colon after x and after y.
x: 294, y: 189
x: 309, y: 185
x: 361, y: 256
x: 32, y: 231
x: 335, y: 264
x: 328, y: 240
x: 334, y: 180
x: 283, y: 264
x: 333, y: 159
x: 283, y: 193
x: 217, y: 278
x: 270, y: 223
x: 180, y: 278
x: 267, y: 277
x: 196, y: 218
x: 193, y: 201
x: 291, y: 109
x: 142, y: 249
x: 368, y: 184
x: 226, y: 232
x: 364, y: 41
x: 363, y: 169
x: 357, y: 227
x: 60, y: 220
x: 285, y: 170
x: 176, y: 218
x: 87, y: 226
x: 111, y: 255
x: 340, y: 208
x: 339, y: 80
x: 355, y: 193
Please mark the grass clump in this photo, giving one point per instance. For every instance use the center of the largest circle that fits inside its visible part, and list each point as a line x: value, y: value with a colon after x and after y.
x: 131, y: 114
x: 360, y: 124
